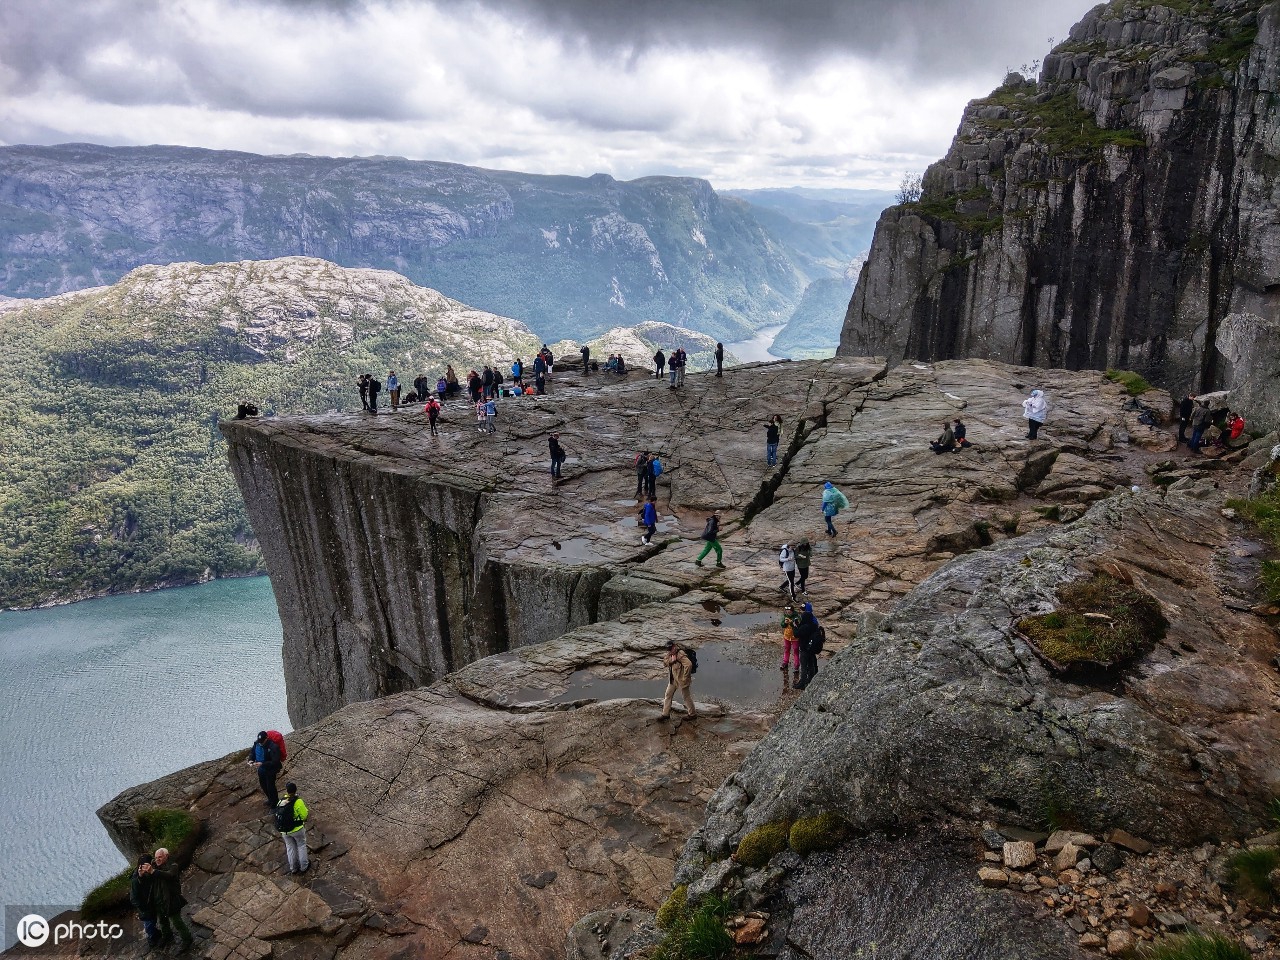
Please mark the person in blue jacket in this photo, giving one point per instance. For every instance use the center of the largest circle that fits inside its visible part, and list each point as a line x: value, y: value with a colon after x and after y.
x: 649, y: 517
x: 265, y: 757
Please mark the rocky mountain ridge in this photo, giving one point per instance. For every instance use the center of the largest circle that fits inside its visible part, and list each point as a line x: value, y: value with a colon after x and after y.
x: 1116, y: 212
x: 569, y: 256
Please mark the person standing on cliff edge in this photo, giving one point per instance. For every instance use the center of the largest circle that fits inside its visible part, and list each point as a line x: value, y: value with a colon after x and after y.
x: 363, y: 385
x: 586, y: 358
x: 265, y: 757
x: 291, y: 820
x: 374, y: 388
x: 393, y: 387
x: 169, y: 901
x: 719, y: 359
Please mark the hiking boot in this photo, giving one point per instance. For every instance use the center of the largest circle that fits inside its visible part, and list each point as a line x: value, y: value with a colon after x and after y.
x: 719, y: 564
x: 664, y: 716
x: 697, y: 563
x: 186, y: 945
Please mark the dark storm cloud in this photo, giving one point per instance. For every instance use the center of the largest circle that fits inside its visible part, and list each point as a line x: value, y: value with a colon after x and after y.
x: 943, y: 37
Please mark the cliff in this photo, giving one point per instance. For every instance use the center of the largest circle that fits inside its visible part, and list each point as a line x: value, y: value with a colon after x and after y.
x: 115, y: 475
x: 569, y: 256
x: 1113, y: 213
x: 481, y: 813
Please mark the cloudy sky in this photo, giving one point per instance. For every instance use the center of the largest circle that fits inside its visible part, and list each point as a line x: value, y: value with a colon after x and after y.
x: 747, y: 93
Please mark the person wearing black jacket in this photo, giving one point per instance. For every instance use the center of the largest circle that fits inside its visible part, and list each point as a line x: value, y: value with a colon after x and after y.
x: 645, y: 478
x: 772, y: 434
x: 363, y: 384
x: 169, y: 901
x: 487, y: 382
x: 558, y: 456
x: 711, y: 534
x: 660, y: 362
x: 375, y: 387
x: 586, y: 358
x: 719, y: 359
x: 265, y: 757
x: 142, y: 895
x: 1185, y: 409
x: 808, y: 633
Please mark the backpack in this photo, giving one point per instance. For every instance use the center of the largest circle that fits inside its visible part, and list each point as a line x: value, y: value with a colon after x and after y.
x: 693, y: 660
x: 657, y: 467
x: 283, y: 814
x: 820, y: 641
x: 636, y: 461
x: 276, y: 737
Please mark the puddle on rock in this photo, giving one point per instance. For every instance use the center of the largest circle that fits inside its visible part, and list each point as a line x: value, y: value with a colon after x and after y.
x: 574, y: 548
x: 719, y: 677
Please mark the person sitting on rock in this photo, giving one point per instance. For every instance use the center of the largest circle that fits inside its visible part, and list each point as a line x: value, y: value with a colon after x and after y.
x: 961, y: 435
x: 946, y: 442
x: 620, y: 368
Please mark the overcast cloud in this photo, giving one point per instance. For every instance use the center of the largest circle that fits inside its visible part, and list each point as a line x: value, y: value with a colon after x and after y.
x: 746, y: 93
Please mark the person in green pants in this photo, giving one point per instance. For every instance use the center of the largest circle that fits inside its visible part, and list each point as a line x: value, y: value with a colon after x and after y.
x: 711, y: 534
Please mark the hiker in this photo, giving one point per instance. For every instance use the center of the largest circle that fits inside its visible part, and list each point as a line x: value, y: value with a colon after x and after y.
x: 550, y: 358
x: 142, y: 889
x: 558, y: 456
x: 679, y: 675
x: 432, y: 410
x: 649, y: 520
x: 946, y: 442
x: 517, y: 372
x: 586, y: 358
x: 374, y: 388
x: 169, y: 901
x: 809, y: 637
x: 772, y: 433
x: 421, y: 386
x: 719, y: 359
x: 442, y: 390
x: 1236, y: 427
x: 711, y: 534
x: 620, y: 368
x: 393, y: 388
x: 787, y: 561
x: 673, y: 364
x: 486, y: 383
x: 480, y: 405
x: 1035, y: 408
x: 961, y: 434
x: 291, y: 820
x: 451, y: 385
x: 265, y: 757
x: 363, y: 385
x: 1200, y: 420
x: 833, y: 501
x: 473, y: 386
x: 1186, y: 407
x: 644, y: 474
x: 659, y: 362
x: 539, y: 370
x: 490, y: 415
x: 683, y: 358
x: 790, y: 646
x: 804, y: 553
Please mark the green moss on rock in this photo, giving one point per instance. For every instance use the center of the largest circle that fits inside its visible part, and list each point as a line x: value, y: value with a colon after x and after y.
x: 1098, y: 621
x: 673, y: 907
x: 763, y: 843
x: 809, y: 834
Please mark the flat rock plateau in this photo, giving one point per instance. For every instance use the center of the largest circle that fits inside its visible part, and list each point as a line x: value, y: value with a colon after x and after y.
x: 473, y: 662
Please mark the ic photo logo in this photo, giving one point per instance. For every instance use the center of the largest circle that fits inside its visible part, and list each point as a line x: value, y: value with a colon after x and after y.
x: 32, y: 927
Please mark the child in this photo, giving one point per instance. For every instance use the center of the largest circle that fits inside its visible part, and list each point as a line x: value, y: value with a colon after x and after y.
x: 480, y: 414
x: 490, y: 414
x: 790, y: 645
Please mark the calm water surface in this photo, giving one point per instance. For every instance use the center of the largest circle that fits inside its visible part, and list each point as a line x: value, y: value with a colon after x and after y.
x: 105, y: 694
x: 756, y: 350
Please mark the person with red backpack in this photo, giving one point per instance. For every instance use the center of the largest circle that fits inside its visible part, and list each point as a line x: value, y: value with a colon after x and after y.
x: 432, y: 410
x: 267, y: 756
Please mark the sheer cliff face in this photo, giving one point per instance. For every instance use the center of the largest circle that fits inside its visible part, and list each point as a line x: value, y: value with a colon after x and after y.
x: 1112, y: 214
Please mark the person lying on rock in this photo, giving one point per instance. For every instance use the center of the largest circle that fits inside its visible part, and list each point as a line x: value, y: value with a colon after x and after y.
x: 946, y: 442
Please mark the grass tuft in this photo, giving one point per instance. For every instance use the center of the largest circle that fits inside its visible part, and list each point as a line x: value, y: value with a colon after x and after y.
x: 700, y: 935
x: 1264, y: 510
x: 1099, y: 621
x: 1195, y: 946
x: 176, y: 830
x: 1135, y: 383
x: 1250, y: 875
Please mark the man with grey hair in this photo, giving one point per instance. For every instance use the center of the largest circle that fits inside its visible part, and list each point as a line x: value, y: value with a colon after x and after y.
x: 169, y: 901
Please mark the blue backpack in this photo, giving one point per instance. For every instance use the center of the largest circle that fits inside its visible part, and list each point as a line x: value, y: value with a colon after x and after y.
x: 657, y: 467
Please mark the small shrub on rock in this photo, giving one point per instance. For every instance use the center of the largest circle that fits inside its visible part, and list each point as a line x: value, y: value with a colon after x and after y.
x: 816, y: 833
x: 1135, y: 383
x: 1099, y: 621
x: 1195, y: 947
x: 175, y: 830
x: 763, y: 844
x: 1250, y: 874
x: 700, y: 935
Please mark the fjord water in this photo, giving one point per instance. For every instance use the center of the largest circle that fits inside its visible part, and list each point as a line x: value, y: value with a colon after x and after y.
x: 104, y: 694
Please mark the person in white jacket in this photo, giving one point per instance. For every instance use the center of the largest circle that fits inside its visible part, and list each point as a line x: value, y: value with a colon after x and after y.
x: 787, y: 560
x: 1035, y: 408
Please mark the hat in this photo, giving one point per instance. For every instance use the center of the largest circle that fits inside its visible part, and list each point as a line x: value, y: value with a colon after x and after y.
x: 828, y: 486
x: 262, y: 735
x: 808, y: 608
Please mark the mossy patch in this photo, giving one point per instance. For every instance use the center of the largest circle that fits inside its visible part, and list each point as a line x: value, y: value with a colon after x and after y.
x: 1099, y: 621
x: 175, y: 830
x: 1264, y: 511
x: 673, y: 907
x: 809, y: 834
x: 1135, y: 383
x: 1250, y: 874
x: 1195, y: 946
x: 763, y: 843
